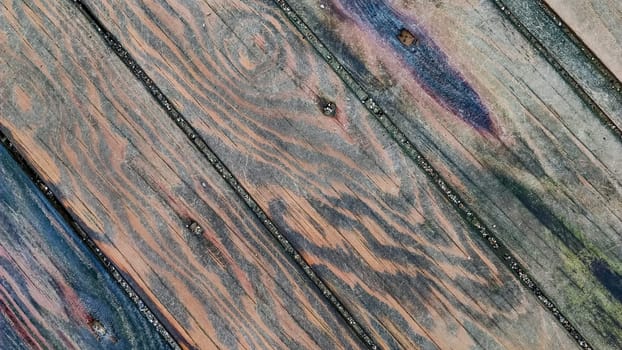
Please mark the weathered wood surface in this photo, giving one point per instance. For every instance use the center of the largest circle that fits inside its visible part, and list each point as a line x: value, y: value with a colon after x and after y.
x: 598, y: 23
x: 592, y: 82
x: 54, y: 294
x: 360, y: 212
x: 505, y: 130
x: 502, y: 127
x: 131, y: 179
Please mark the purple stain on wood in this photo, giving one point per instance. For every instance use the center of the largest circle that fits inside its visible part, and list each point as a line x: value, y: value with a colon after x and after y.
x: 427, y: 62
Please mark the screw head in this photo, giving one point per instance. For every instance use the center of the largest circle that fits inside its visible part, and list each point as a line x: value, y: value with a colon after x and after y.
x: 329, y: 108
x: 195, y: 228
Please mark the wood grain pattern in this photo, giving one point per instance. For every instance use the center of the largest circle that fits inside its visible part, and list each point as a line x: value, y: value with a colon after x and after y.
x: 598, y: 23
x: 545, y: 177
x: 154, y: 206
x: 368, y: 221
x: 53, y: 293
x: 591, y: 80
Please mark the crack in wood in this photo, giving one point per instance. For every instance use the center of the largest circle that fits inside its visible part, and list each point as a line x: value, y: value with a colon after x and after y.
x: 489, y: 236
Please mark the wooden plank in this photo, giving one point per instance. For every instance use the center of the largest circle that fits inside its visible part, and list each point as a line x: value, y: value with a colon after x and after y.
x: 503, y: 129
x: 591, y: 80
x: 598, y: 23
x: 366, y: 219
x: 153, y: 205
x: 54, y: 294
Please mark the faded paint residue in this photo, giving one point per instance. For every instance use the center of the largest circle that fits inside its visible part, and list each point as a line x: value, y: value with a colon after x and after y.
x: 427, y: 63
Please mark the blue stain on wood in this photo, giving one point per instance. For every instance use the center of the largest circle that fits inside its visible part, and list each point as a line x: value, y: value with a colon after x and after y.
x: 427, y: 61
x: 40, y: 254
x: 610, y: 279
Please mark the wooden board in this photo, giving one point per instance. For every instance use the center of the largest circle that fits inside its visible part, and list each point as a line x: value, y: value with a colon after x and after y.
x: 53, y: 291
x: 370, y: 222
x: 590, y: 79
x: 598, y: 23
x: 503, y: 128
x: 154, y: 206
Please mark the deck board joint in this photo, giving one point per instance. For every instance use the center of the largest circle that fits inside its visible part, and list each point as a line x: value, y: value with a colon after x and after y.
x: 607, y: 75
x: 194, y: 137
x: 616, y: 85
x: 77, y: 229
x: 397, y: 135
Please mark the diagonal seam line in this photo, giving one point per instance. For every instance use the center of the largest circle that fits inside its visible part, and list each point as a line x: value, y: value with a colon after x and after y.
x: 550, y: 57
x: 489, y: 236
x: 77, y: 229
x: 224, y: 172
x: 589, y: 53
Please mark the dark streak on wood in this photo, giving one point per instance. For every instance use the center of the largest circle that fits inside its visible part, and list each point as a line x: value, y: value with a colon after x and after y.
x: 113, y: 157
x: 609, y: 278
x: 339, y: 196
x: 373, y: 225
x: 427, y: 63
x: 83, y: 308
x: 500, y: 250
x: 224, y: 172
x: 566, y: 155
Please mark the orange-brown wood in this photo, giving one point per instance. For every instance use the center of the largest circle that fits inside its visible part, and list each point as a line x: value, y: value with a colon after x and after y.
x: 377, y: 137
x: 132, y: 180
x: 361, y: 213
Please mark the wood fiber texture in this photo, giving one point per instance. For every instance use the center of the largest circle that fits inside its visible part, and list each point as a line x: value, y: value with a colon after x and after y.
x: 598, y: 24
x: 379, y: 138
x: 592, y: 81
x: 154, y: 206
x: 53, y: 293
x: 505, y: 129
x: 362, y: 214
